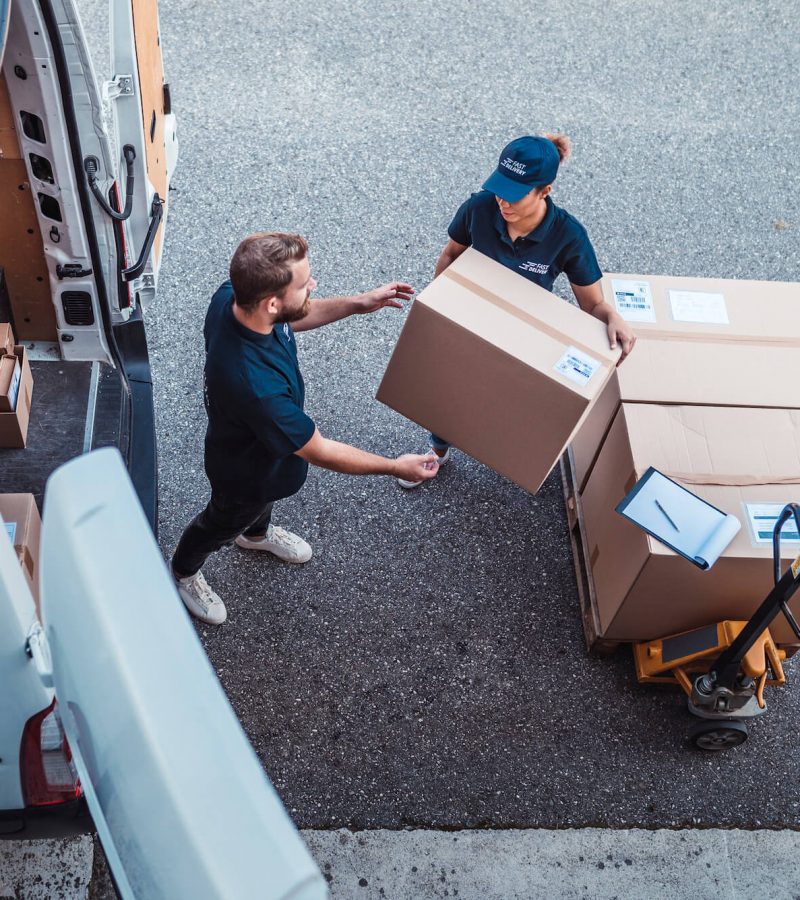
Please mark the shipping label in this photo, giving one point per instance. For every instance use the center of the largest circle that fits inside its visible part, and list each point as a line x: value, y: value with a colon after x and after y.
x: 762, y: 518
x: 696, y: 306
x: 634, y: 300
x: 577, y: 366
x: 11, y: 531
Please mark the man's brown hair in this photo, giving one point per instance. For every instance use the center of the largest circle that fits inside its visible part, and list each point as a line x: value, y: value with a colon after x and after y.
x: 262, y: 266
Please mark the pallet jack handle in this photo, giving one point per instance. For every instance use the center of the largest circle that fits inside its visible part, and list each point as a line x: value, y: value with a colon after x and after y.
x: 725, y: 671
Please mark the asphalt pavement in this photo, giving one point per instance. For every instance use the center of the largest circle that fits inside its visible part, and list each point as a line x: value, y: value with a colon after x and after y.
x: 427, y: 667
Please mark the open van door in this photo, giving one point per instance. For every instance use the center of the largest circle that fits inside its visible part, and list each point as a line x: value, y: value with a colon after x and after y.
x: 179, y: 798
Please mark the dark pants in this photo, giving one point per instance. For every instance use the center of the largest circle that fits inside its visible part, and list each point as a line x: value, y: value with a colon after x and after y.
x: 223, y: 520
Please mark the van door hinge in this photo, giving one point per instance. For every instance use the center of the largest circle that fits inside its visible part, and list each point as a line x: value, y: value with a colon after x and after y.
x: 119, y: 86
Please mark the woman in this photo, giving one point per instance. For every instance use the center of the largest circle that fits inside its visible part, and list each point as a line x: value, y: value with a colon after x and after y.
x: 514, y: 221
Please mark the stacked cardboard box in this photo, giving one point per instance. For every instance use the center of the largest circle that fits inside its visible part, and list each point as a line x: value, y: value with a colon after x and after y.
x: 16, y: 389
x: 23, y: 526
x: 710, y: 397
x: 499, y: 367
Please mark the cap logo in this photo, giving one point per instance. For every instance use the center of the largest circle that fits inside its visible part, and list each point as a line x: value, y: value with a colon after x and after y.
x: 513, y: 165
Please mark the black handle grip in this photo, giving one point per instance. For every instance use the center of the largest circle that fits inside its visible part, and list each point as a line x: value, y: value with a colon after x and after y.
x: 156, y: 215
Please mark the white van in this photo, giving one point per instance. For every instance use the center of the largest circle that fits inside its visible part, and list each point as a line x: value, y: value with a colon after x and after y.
x: 111, y: 716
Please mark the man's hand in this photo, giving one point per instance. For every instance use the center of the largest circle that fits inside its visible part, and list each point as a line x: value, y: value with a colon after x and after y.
x: 620, y: 332
x: 388, y: 295
x: 414, y: 467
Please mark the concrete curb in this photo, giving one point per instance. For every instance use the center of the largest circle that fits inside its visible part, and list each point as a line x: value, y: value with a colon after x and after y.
x: 596, y: 863
x: 589, y: 863
x: 44, y: 870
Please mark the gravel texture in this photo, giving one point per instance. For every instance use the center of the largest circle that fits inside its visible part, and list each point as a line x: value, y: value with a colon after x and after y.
x: 427, y: 667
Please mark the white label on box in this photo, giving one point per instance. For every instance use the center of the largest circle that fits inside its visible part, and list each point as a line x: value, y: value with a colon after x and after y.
x: 762, y: 518
x: 13, y: 390
x: 695, y: 306
x: 11, y: 531
x: 577, y: 366
x: 634, y: 300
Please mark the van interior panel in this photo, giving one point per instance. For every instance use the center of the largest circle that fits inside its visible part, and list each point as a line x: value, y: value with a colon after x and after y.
x: 9, y: 146
x: 21, y: 249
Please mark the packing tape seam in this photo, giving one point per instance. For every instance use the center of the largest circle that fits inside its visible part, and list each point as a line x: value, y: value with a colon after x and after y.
x: 716, y: 338
x: 733, y: 480
x: 529, y: 318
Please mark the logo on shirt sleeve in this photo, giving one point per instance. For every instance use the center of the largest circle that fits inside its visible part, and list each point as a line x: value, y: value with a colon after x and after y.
x: 536, y: 267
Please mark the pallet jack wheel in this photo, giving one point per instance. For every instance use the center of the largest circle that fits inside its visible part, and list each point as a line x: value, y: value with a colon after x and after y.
x: 717, y: 734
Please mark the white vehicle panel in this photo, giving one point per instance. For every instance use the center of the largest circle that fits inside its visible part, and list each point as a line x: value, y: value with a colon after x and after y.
x: 23, y: 693
x: 181, y: 803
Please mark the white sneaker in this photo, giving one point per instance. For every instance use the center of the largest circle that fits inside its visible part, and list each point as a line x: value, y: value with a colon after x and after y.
x: 408, y: 485
x: 280, y: 542
x: 201, y: 601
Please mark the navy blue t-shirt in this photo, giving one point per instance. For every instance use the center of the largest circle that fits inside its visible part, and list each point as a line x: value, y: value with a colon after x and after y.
x: 559, y: 244
x: 254, y: 395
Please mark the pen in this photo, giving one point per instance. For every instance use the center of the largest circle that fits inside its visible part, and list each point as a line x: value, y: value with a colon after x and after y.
x: 667, y: 516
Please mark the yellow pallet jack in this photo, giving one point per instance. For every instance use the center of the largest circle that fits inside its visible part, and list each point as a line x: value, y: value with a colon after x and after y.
x: 724, y: 668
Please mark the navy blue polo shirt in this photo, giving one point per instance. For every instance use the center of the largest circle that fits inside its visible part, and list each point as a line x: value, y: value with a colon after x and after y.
x: 254, y: 395
x: 559, y: 244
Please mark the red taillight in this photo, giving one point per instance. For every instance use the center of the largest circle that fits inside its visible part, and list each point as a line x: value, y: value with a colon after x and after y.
x: 48, y: 773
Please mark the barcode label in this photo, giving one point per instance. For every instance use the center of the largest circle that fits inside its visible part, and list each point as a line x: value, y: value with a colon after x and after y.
x: 762, y: 518
x: 634, y: 300
x: 577, y: 366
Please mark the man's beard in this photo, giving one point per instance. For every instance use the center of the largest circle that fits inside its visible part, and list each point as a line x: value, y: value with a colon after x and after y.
x: 296, y: 314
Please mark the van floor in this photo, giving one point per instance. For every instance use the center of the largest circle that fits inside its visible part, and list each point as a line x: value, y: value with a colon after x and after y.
x: 63, y: 399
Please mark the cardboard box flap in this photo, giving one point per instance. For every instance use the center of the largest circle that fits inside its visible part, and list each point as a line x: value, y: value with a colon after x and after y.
x: 715, y: 445
x: 711, y: 374
x: 515, y: 318
x: 540, y: 307
x: 754, y: 309
x: 10, y: 377
x: 730, y: 456
x: 6, y: 334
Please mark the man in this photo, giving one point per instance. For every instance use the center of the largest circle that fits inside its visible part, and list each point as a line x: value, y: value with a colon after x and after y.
x: 259, y: 440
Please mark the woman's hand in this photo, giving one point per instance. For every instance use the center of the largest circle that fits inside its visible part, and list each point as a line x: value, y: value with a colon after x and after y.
x: 590, y: 299
x: 620, y: 332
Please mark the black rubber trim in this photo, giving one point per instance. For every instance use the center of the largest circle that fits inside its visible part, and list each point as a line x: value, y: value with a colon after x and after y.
x: 60, y: 820
x: 142, y: 454
x: 128, y: 346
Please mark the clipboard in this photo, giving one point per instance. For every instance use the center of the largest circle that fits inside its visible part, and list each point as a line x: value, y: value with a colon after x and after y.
x: 679, y: 519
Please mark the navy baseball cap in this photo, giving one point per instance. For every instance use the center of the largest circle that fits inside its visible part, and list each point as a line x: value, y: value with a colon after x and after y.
x: 525, y: 163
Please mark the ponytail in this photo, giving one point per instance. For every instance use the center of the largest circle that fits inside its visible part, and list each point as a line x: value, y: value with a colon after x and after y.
x: 563, y: 145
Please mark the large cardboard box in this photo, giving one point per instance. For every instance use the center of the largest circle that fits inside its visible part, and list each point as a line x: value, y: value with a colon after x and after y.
x: 736, y: 459
x: 729, y: 309
x: 23, y: 526
x: 14, y: 424
x: 719, y: 373
x: 498, y: 366
x: 737, y: 344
